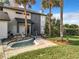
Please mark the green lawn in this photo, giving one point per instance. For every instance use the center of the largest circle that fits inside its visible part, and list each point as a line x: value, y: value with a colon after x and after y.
x: 58, y: 52
x: 73, y: 37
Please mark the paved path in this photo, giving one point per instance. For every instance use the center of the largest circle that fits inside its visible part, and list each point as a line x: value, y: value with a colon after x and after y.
x: 42, y: 44
x: 1, y: 52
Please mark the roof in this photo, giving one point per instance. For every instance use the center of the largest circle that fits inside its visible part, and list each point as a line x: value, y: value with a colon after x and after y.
x: 4, y: 16
x: 22, y: 9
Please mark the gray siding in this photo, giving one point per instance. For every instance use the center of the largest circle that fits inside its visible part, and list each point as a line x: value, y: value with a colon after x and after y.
x: 36, y: 25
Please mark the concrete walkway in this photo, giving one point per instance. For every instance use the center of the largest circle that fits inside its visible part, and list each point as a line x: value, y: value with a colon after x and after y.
x: 42, y: 44
x: 1, y: 52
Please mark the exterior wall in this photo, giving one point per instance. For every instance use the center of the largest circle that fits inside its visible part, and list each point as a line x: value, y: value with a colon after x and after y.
x: 13, y: 23
x: 3, y: 29
x: 36, y: 25
x: 37, y: 19
x: 42, y: 24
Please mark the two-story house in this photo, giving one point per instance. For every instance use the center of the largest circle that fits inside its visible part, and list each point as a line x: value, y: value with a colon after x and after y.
x: 15, y: 22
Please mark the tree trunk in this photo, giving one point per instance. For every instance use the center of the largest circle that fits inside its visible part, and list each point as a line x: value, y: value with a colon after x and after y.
x: 50, y: 21
x: 61, y: 20
x: 25, y: 13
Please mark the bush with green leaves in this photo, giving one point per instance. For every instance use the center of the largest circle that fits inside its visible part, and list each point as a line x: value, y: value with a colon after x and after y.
x: 72, y: 29
x: 55, y: 27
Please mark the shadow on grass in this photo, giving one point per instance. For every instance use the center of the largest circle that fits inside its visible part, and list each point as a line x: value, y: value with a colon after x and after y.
x: 74, y: 42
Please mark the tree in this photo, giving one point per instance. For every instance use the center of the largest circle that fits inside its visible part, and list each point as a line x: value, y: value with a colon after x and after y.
x: 72, y: 29
x: 67, y: 26
x: 46, y: 27
x: 55, y: 27
x: 1, y: 1
x: 61, y: 20
x: 49, y: 4
x: 73, y: 26
x: 25, y: 2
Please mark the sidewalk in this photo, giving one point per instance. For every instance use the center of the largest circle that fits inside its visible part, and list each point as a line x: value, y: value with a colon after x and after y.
x: 0, y: 52
x: 42, y: 44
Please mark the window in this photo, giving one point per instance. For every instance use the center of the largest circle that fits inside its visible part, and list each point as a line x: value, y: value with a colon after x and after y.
x: 6, y: 2
x: 3, y: 2
x: 1, y: 6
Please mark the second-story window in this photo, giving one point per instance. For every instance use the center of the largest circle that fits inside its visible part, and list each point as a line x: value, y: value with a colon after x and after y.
x: 1, y: 6
x: 6, y: 2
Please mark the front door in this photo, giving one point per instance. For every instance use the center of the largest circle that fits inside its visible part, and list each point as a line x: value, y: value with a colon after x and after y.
x: 29, y: 29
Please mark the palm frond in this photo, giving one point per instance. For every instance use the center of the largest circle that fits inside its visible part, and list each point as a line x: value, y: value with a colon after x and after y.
x: 53, y: 3
x: 25, y: 1
x: 57, y: 3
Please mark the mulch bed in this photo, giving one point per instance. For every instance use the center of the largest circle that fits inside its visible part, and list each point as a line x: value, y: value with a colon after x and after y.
x: 61, y: 42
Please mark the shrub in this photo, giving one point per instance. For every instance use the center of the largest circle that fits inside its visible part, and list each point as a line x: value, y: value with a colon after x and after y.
x: 71, y: 31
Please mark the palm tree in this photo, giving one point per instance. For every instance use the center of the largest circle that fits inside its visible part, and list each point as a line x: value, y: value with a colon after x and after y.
x: 46, y: 4
x: 61, y: 19
x: 25, y: 2
x: 49, y: 4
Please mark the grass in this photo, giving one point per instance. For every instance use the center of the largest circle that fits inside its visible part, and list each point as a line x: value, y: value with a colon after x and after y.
x: 57, y: 52
x: 73, y: 37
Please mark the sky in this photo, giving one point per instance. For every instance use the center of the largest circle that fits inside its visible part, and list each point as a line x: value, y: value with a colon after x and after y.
x: 71, y: 11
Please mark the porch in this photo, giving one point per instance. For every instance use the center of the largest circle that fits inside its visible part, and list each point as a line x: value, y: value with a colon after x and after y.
x: 21, y: 26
